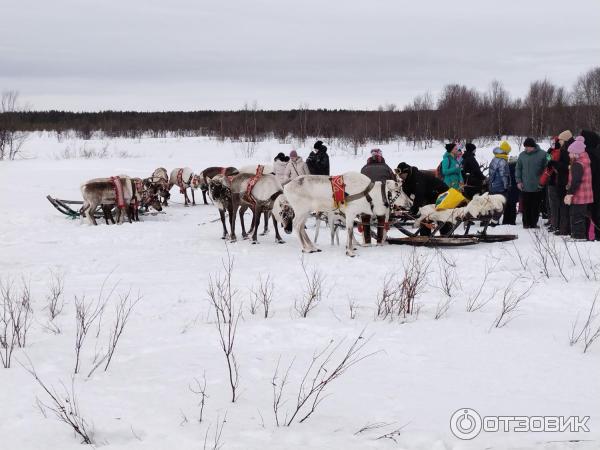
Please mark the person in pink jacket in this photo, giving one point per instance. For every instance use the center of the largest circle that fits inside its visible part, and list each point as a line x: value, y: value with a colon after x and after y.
x: 295, y: 167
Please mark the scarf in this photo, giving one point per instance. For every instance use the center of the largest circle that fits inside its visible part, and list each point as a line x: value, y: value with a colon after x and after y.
x: 499, y: 153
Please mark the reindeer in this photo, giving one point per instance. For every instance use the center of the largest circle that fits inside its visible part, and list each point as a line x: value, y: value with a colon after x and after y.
x: 209, y: 173
x: 184, y: 178
x: 259, y: 198
x: 145, y: 195
x: 309, y: 193
x: 251, y: 170
x: 160, y: 179
x: 101, y: 192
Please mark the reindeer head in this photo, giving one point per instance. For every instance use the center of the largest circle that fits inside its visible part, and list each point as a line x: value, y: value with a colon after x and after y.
x: 283, y: 213
x: 196, y: 181
x: 396, y: 196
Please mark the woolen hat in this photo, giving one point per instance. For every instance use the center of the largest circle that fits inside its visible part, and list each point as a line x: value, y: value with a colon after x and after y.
x: 293, y: 154
x: 403, y: 167
x: 470, y: 147
x: 565, y: 135
x: 376, y: 152
x: 450, y: 146
x: 578, y: 146
x: 529, y: 142
x: 504, y: 145
x: 318, y: 145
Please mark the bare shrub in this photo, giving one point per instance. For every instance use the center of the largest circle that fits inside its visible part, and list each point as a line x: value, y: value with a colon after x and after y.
x: 589, y: 331
x: 86, y: 313
x: 64, y: 405
x: 522, y: 261
x: 447, y: 276
x: 442, y: 307
x: 222, y: 297
x: 200, y: 390
x: 353, y: 307
x: 546, y: 251
x: 312, y: 293
x: 123, y: 310
x: 55, y: 298
x: 262, y: 295
x: 15, y: 319
x: 11, y: 139
x: 511, y: 301
x: 397, y: 297
x: 321, y: 372
x: 474, y: 300
x: 415, y: 276
x: 215, y: 443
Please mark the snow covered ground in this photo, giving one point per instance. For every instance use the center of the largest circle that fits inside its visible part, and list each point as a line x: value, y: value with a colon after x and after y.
x: 424, y: 369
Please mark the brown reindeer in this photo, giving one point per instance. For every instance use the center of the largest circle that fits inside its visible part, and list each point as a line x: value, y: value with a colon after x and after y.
x: 160, y: 179
x: 207, y: 174
x: 102, y: 192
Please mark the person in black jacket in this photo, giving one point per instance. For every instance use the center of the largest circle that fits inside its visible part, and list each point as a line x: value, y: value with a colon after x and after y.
x: 472, y: 175
x: 562, y: 178
x: 423, y: 188
x: 592, y: 147
x: 318, y: 160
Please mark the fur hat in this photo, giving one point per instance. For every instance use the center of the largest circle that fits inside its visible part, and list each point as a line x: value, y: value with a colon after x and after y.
x: 280, y: 156
x: 504, y: 145
x: 293, y: 154
x: 578, y: 146
x: 376, y: 152
x: 529, y: 142
x: 470, y: 147
x: 450, y: 146
x: 565, y: 135
x: 319, y: 146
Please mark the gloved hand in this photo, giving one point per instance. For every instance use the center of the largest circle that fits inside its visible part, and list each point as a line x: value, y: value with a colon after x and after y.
x: 568, y: 199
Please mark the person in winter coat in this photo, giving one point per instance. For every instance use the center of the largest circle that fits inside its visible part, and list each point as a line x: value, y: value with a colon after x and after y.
x: 592, y: 148
x: 280, y: 162
x: 499, y: 180
x: 318, y: 160
x: 377, y: 170
x: 295, y: 167
x: 450, y: 168
x: 530, y: 165
x: 514, y: 195
x: 471, y: 172
x: 423, y: 188
x: 562, y: 176
x: 579, y: 188
x: 554, y: 203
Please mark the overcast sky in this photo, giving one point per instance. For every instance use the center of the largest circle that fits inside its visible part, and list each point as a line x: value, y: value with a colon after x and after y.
x: 219, y: 54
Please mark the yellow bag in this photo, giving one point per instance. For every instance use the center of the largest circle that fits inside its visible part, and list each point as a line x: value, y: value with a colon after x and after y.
x: 452, y: 198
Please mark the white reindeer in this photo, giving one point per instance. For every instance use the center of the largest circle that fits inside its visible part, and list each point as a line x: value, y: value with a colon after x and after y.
x: 309, y: 193
x: 184, y: 178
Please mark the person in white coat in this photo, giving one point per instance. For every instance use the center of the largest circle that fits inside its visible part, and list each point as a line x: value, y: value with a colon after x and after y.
x: 279, y: 165
x: 295, y: 167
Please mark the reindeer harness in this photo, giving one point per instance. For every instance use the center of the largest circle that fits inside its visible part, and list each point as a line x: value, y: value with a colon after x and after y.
x: 118, y: 187
x: 248, y: 197
x: 183, y: 185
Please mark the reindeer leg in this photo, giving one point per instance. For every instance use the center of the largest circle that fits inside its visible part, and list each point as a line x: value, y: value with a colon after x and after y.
x: 317, y: 226
x: 257, y: 214
x: 233, y: 207
x: 204, y: 197
x: 222, y: 215
x: 243, y: 209
x: 277, y: 235
x: 193, y: 197
x: 349, y: 241
x: 266, y: 229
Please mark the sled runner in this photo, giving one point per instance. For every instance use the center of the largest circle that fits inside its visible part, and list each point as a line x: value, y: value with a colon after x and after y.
x: 65, y: 207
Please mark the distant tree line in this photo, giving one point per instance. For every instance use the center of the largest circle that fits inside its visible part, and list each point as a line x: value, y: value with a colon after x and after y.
x: 459, y: 112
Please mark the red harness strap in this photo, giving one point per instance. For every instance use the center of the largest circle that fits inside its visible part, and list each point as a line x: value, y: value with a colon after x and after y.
x: 252, y: 182
x: 118, y: 187
x: 338, y: 187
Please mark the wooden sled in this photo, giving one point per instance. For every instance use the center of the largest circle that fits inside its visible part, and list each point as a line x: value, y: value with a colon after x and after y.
x: 434, y: 241
x: 64, y: 206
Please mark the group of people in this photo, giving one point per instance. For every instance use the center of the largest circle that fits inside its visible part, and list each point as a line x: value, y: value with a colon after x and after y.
x: 563, y: 182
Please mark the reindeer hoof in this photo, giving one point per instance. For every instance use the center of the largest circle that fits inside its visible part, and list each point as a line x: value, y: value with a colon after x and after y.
x: 253, y: 242
x: 280, y: 241
x: 350, y: 254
